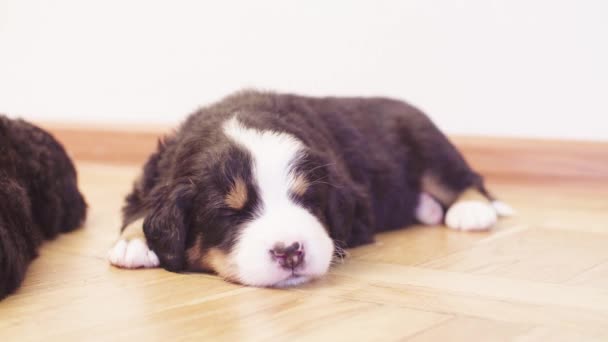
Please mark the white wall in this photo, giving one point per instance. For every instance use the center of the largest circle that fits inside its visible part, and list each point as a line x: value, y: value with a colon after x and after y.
x: 526, y: 68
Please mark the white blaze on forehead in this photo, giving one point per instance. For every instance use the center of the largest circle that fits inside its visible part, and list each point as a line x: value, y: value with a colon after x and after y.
x: 280, y: 219
x: 273, y: 154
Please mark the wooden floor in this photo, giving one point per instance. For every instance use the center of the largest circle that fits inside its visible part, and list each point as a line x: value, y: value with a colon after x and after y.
x: 542, y: 276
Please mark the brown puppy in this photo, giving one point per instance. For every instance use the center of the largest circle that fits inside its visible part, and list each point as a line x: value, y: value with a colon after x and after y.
x: 39, y: 197
x: 264, y: 188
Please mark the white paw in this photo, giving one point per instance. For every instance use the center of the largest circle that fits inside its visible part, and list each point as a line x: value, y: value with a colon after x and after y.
x: 132, y: 254
x: 428, y: 211
x: 471, y: 215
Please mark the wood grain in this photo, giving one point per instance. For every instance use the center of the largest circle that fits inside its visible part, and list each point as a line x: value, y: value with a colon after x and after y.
x: 540, y: 276
x: 536, y: 277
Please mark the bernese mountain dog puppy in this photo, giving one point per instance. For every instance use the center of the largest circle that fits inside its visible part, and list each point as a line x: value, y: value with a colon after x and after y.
x: 39, y: 197
x: 264, y: 189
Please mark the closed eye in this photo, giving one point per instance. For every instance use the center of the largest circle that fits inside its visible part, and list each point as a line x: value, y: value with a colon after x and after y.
x: 227, y: 212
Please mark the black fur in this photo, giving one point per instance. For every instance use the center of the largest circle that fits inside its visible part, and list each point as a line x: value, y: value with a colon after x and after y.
x: 39, y: 197
x: 365, y: 157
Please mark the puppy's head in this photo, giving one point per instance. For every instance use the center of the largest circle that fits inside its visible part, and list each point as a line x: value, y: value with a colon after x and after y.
x: 254, y: 212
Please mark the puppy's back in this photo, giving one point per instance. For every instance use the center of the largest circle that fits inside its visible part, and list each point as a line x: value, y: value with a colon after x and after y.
x: 39, y: 196
x: 18, y: 237
x: 40, y: 164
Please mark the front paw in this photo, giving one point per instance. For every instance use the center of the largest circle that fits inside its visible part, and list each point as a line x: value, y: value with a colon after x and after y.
x: 133, y: 253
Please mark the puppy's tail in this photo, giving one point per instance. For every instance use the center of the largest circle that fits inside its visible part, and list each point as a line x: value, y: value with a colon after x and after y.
x: 18, y: 236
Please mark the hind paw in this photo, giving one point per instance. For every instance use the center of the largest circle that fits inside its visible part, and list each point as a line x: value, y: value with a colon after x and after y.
x: 471, y: 215
x: 428, y: 211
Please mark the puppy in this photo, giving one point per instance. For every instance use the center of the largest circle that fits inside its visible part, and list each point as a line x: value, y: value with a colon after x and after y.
x: 39, y: 197
x: 264, y: 189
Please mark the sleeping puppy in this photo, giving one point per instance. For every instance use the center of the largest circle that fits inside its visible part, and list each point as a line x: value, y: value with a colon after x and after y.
x: 39, y: 197
x: 264, y: 189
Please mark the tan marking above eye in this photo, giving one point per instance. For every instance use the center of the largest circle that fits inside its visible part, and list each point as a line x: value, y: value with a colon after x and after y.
x: 299, y: 185
x: 237, y: 197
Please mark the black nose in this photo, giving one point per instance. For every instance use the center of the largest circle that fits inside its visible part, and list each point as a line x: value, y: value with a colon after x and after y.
x: 288, y: 257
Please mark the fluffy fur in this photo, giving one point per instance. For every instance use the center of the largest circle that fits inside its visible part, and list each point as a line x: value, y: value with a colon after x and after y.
x: 39, y: 197
x: 264, y: 188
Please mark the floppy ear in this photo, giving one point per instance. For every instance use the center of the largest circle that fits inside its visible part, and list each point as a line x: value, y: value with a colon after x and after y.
x: 165, y: 227
x: 348, y: 212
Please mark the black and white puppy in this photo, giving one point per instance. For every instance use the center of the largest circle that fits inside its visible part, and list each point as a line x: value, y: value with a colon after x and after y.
x: 39, y: 197
x: 264, y: 189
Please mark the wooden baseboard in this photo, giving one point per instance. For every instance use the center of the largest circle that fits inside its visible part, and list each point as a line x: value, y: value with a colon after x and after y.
x: 536, y: 158
x: 108, y: 145
x: 493, y: 157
